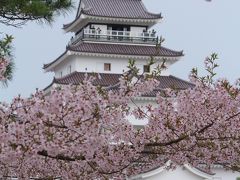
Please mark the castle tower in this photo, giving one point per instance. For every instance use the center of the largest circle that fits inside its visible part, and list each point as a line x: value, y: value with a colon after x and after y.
x: 107, y: 33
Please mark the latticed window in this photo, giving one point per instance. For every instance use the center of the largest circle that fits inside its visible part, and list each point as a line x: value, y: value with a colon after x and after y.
x: 107, y: 67
x: 146, y: 68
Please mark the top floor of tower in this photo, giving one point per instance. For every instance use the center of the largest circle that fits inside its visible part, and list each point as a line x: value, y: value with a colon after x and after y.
x: 125, y: 21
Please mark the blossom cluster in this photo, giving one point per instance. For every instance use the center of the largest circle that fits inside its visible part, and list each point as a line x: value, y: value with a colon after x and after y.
x: 83, y: 132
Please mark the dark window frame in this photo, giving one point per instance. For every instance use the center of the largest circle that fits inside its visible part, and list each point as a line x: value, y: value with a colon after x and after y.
x: 146, y: 68
x: 107, y: 67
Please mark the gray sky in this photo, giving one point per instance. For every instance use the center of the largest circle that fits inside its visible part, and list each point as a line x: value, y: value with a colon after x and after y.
x: 195, y: 26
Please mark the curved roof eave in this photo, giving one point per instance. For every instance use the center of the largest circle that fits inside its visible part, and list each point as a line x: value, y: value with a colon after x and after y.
x: 48, y: 67
x: 158, y: 16
x: 70, y: 26
x: 159, y: 170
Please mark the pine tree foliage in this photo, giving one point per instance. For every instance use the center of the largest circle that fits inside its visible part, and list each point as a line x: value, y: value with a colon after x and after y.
x: 17, y: 13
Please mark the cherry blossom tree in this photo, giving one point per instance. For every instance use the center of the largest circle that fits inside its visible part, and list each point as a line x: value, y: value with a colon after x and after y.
x: 83, y: 132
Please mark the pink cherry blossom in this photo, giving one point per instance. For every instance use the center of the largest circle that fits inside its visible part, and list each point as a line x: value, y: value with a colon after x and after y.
x: 3, y: 67
x: 83, y: 132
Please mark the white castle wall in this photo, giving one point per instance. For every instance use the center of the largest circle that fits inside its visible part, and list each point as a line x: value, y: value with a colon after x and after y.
x: 64, y: 67
x: 182, y: 173
x: 178, y: 174
x: 96, y: 64
x: 137, y: 30
x: 226, y: 175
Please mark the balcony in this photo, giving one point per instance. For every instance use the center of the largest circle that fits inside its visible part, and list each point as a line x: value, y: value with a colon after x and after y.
x: 116, y: 36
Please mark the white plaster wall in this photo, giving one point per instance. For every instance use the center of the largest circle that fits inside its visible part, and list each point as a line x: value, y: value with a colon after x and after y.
x: 96, y: 64
x: 222, y: 174
x: 178, y: 174
x: 182, y: 173
x: 137, y: 30
x: 165, y: 72
x: 64, y: 67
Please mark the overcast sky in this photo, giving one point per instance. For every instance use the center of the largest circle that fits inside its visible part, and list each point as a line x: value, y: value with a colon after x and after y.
x: 196, y: 26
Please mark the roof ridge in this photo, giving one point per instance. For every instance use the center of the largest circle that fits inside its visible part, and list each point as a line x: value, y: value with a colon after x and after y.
x: 146, y: 10
x: 165, y: 48
x: 91, y: 4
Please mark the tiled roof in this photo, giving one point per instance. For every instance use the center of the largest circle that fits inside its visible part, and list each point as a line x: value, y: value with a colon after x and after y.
x: 108, y: 80
x: 173, y: 82
x: 128, y: 9
x: 49, y: 64
x: 133, y: 9
x: 77, y: 77
x: 139, y: 50
x: 119, y: 49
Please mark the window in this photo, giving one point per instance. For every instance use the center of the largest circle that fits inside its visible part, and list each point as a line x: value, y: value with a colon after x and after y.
x: 107, y: 67
x: 61, y: 74
x: 70, y: 69
x: 146, y: 68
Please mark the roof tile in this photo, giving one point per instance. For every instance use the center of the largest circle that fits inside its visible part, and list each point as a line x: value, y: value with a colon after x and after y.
x: 111, y: 80
x: 119, y: 49
x: 139, y: 50
x: 128, y: 9
x: 133, y: 9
